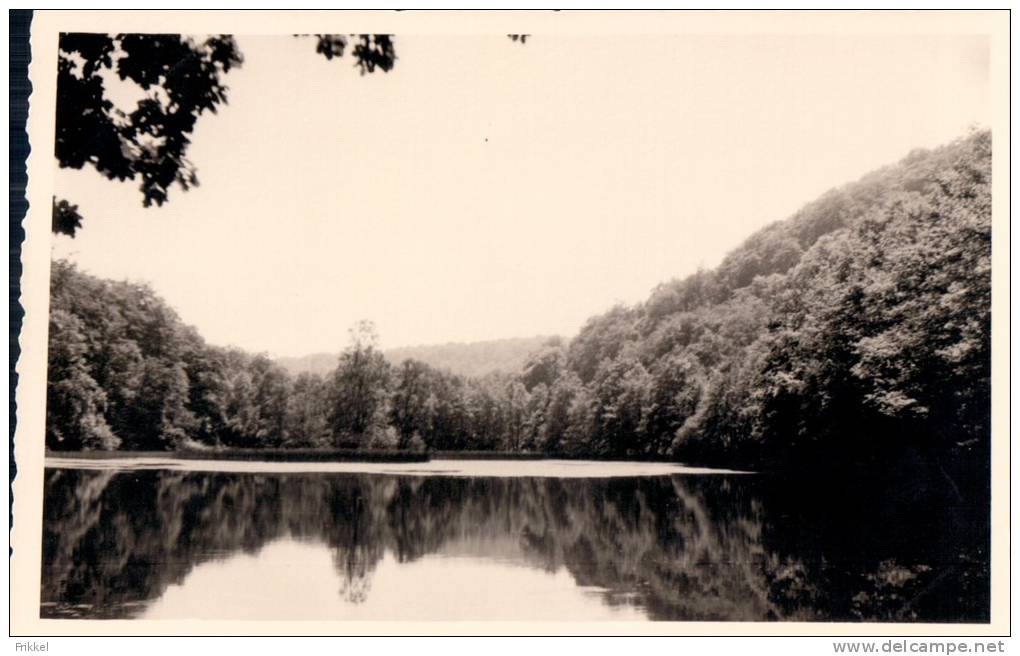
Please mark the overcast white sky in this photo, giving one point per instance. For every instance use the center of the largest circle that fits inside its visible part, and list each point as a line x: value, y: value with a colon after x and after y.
x: 485, y: 189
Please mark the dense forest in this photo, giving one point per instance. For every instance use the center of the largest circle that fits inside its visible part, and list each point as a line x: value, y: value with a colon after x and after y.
x: 858, y: 325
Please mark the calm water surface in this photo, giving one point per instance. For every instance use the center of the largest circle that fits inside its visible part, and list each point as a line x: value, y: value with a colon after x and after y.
x: 501, y: 541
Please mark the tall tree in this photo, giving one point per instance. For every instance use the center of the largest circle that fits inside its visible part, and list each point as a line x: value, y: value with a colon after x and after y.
x: 360, y: 388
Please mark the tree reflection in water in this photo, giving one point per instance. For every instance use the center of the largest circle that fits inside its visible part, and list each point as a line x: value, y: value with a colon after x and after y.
x: 682, y: 547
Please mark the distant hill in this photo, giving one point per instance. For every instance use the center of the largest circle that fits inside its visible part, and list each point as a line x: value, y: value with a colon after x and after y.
x: 472, y: 359
x: 316, y: 363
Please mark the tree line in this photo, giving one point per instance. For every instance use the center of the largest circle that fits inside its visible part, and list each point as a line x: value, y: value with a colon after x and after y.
x: 126, y: 373
x: 861, y: 323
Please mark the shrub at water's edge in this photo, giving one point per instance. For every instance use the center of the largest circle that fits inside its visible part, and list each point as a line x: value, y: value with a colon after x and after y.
x: 856, y: 330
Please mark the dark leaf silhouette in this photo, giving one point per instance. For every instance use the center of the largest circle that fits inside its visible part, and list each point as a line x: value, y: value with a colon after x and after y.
x: 182, y: 78
x: 66, y: 219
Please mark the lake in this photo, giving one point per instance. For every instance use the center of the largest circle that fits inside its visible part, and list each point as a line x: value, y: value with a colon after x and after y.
x: 496, y: 540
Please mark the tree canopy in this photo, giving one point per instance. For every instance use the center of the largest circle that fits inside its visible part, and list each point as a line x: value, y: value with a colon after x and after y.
x: 181, y: 78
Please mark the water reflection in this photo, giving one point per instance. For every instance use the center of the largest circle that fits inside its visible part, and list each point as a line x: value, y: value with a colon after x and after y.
x: 159, y: 543
x: 251, y: 587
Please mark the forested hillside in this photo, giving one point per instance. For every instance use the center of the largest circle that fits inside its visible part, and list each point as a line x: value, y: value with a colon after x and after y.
x: 474, y: 359
x: 862, y: 321
x: 860, y: 324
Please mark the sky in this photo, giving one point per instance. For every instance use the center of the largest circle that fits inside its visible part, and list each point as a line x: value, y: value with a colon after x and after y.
x: 486, y: 189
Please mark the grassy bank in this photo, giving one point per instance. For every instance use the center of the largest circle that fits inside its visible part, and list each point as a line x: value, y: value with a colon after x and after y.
x: 488, y: 455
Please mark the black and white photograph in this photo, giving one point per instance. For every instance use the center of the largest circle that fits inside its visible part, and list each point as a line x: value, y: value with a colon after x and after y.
x: 627, y: 319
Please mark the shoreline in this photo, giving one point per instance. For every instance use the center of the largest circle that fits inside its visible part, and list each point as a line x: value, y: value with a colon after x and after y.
x: 338, y: 455
x: 249, y: 455
x: 486, y: 468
